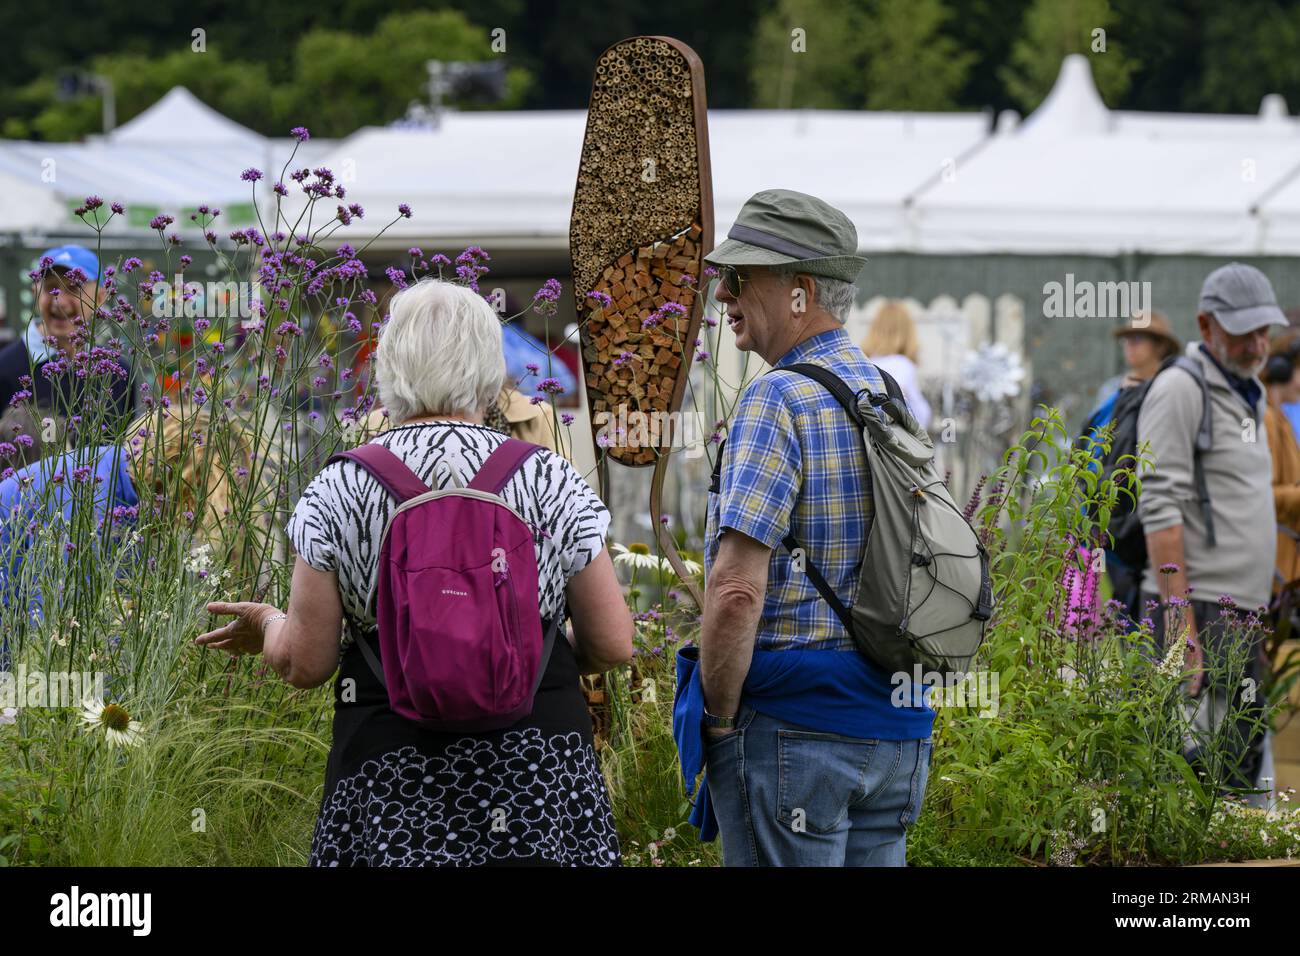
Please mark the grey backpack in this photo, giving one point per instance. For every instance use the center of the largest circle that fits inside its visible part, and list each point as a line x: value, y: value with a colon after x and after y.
x: 924, y: 594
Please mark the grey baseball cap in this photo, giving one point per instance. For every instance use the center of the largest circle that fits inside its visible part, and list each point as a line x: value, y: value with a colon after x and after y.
x: 1241, y: 298
x: 778, y: 227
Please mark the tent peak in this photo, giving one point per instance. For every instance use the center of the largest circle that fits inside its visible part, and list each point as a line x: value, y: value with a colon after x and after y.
x: 179, y: 115
x: 1073, y: 106
x: 1272, y: 108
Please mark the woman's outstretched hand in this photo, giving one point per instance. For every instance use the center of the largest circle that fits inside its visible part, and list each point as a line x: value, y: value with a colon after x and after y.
x: 244, y: 634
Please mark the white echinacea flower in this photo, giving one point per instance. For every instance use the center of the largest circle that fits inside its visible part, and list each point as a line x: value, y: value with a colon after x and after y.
x: 638, y: 556
x: 116, y: 723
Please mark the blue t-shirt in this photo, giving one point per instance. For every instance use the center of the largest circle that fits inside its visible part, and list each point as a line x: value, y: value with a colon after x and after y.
x: 53, y: 486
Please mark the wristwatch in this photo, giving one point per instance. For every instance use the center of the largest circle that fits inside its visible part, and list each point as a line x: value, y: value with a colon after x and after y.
x: 722, y: 723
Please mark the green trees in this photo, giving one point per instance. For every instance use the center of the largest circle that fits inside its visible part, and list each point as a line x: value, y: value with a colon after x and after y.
x: 889, y: 54
x: 911, y: 64
x: 1052, y: 30
x: 361, y: 63
x: 338, y: 80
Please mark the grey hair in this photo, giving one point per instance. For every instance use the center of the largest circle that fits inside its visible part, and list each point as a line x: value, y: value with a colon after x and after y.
x: 439, y: 353
x: 834, y: 295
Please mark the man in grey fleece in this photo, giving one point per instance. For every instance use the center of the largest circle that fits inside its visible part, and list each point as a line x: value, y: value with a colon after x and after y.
x: 1228, y: 548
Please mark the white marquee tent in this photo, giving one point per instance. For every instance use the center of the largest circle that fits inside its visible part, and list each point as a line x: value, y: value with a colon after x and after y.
x: 170, y: 158
x: 25, y: 205
x: 483, y: 176
x: 1078, y: 178
x: 1074, y: 177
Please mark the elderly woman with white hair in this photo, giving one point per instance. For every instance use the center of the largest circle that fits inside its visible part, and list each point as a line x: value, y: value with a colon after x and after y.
x: 395, y: 792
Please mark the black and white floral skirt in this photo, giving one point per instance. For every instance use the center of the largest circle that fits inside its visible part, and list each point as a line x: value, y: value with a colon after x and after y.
x: 397, y: 795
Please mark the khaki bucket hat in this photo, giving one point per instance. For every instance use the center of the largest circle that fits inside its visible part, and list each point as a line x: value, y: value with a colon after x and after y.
x: 778, y: 227
x: 1155, y: 325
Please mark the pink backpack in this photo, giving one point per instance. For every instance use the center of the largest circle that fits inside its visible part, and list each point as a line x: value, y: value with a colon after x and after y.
x: 460, y: 633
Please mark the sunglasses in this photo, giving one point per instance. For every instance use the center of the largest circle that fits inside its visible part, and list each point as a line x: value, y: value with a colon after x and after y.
x: 732, y: 280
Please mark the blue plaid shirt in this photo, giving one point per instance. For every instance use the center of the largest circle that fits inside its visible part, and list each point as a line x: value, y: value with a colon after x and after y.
x: 794, y: 462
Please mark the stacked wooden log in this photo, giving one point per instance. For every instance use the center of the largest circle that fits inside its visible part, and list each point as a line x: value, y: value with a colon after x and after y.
x: 634, y: 349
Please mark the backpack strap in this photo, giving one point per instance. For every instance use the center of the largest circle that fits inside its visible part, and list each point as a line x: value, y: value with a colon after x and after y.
x: 849, y: 400
x: 892, y: 388
x: 1204, y: 442
x: 823, y: 587
x: 398, y: 480
x: 833, y: 384
x: 372, y: 659
x: 893, y: 402
x: 501, y: 465
x: 386, y: 468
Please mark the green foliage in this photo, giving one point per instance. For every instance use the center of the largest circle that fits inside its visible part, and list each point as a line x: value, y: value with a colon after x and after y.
x: 1249, y: 51
x: 1052, y: 30
x: 642, y: 771
x: 887, y: 54
x: 1082, y: 758
x: 366, y: 80
x: 227, y: 761
x: 236, y: 88
x: 807, y: 53
x: 342, y: 80
x: 1199, y: 55
x: 911, y: 65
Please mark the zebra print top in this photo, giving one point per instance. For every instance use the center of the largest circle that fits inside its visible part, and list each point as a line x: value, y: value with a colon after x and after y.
x: 338, y: 523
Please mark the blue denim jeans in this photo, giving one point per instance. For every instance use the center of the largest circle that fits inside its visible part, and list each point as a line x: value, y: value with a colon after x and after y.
x: 785, y: 795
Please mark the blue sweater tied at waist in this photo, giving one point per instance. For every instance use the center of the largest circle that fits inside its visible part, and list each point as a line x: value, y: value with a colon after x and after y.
x: 830, y: 691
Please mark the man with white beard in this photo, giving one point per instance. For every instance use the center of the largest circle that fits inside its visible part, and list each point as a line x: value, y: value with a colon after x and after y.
x: 1210, y: 536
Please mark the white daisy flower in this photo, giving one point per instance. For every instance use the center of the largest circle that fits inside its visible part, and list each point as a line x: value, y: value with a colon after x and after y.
x: 117, y: 724
x: 638, y: 556
x: 692, y: 567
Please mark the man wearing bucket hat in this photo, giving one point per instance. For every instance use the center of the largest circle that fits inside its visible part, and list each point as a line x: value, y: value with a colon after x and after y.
x: 1210, y: 524
x: 808, y: 760
x: 66, y: 292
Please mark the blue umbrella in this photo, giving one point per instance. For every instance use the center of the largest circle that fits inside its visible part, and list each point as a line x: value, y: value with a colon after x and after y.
x: 522, y: 350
